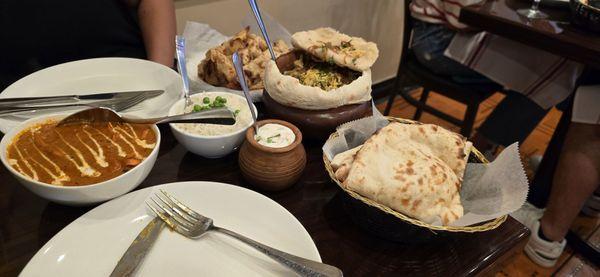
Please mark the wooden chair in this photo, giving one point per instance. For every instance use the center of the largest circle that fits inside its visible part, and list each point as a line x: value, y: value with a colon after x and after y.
x: 411, y: 72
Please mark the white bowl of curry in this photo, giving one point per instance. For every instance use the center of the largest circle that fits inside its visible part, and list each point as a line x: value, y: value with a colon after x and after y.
x: 79, y: 164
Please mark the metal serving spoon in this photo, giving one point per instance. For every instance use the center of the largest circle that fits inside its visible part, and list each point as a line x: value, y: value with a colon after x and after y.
x: 222, y: 116
x: 239, y: 71
x: 262, y: 27
x: 181, y: 66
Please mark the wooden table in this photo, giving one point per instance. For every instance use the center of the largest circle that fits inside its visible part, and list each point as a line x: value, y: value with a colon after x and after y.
x: 27, y: 222
x: 556, y: 35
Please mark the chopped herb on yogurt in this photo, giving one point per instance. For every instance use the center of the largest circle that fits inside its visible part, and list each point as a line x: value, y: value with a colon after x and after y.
x: 275, y: 135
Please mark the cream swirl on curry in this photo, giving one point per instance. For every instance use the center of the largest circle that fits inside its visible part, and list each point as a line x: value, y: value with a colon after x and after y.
x: 79, y: 154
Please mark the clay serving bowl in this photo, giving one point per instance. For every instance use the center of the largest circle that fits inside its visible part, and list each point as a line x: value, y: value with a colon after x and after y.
x: 268, y: 168
x: 314, y: 124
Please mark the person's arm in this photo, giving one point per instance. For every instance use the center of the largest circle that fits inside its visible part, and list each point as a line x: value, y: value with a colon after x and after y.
x: 157, y: 22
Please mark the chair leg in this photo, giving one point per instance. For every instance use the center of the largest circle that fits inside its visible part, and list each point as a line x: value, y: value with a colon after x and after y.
x: 469, y: 120
x: 392, y: 94
x: 390, y: 102
x: 423, y: 101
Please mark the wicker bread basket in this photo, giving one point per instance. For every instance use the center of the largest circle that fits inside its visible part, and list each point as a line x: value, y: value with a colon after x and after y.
x: 475, y: 156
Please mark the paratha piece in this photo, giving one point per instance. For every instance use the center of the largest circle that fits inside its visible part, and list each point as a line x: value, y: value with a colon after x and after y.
x: 330, y: 45
x: 217, y: 68
x: 407, y: 171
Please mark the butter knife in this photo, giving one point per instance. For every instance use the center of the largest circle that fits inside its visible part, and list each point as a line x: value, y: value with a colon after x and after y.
x: 26, y: 101
x: 138, y: 249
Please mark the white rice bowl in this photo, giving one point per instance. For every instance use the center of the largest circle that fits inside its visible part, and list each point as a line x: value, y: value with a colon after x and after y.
x: 234, y: 102
x: 211, y: 140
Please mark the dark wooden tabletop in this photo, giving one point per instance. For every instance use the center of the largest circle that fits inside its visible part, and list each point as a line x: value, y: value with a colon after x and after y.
x: 555, y: 34
x: 27, y: 222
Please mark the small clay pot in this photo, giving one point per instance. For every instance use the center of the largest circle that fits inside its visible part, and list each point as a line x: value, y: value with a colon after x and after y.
x: 269, y: 168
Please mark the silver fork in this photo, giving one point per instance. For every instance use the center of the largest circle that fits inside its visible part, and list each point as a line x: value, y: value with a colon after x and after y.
x: 117, y: 105
x: 193, y: 225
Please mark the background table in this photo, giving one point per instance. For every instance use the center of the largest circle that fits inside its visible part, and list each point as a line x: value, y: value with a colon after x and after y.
x: 556, y: 35
x: 27, y: 222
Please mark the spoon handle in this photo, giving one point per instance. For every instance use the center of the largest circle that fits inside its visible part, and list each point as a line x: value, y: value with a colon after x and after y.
x: 262, y: 27
x: 239, y: 70
x: 302, y: 266
x: 222, y: 116
x: 181, y: 67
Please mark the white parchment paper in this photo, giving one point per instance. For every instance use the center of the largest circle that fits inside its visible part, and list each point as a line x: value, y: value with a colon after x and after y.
x: 201, y: 37
x: 488, y: 190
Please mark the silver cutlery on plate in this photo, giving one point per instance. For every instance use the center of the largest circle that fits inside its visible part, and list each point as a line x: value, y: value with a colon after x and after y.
x: 117, y: 103
x: 222, y: 116
x: 193, y: 225
x: 138, y: 249
x: 69, y: 99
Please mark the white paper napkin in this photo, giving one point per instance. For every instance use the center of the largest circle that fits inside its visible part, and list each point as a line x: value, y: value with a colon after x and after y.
x: 201, y: 37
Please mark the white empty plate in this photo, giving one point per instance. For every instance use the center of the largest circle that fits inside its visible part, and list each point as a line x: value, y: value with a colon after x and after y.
x: 98, y: 76
x: 93, y: 244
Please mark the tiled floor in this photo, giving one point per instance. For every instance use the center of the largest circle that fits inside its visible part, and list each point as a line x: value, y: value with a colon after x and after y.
x: 536, y: 143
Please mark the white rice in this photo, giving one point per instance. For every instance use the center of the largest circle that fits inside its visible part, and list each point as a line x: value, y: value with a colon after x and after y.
x: 234, y: 102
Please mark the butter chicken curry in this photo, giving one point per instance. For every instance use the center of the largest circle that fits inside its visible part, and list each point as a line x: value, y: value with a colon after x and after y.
x: 80, y: 154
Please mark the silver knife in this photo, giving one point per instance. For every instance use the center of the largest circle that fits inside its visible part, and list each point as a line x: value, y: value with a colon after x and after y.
x: 138, y: 249
x: 27, y: 101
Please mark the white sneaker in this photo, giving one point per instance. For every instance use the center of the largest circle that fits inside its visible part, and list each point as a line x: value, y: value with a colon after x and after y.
x: 528, y: 214
x: 592, y: 206
x: 542, y: 252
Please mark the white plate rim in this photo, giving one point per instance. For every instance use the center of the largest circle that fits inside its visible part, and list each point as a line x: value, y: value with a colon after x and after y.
x: 12, y: 90
x: 57, y: 237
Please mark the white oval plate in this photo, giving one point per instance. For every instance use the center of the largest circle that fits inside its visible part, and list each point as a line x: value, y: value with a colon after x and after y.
x: 93, y: 244
x: 98, y: 76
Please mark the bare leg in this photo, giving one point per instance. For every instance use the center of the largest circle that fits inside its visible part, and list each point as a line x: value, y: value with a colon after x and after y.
x: 577, y: 176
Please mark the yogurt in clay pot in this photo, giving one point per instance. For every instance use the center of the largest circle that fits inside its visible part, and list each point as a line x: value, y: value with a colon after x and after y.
x: 275, y: 135
x: 272, y: 158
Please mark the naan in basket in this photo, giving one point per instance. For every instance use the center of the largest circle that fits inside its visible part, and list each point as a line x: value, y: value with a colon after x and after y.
x: 414, y: 169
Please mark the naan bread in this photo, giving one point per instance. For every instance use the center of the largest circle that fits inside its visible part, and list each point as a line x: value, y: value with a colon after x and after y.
x: 342, y: 162
x: 414, y: 169
x: 288, y: 91
x: 450, y: 147
x: 330, y: 45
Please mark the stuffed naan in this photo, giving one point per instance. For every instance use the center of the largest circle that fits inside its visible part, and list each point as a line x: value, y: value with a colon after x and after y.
x: 414, y: 169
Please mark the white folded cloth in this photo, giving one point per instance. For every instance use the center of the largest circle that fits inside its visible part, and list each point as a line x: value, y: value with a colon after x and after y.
x: 545, y: 78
